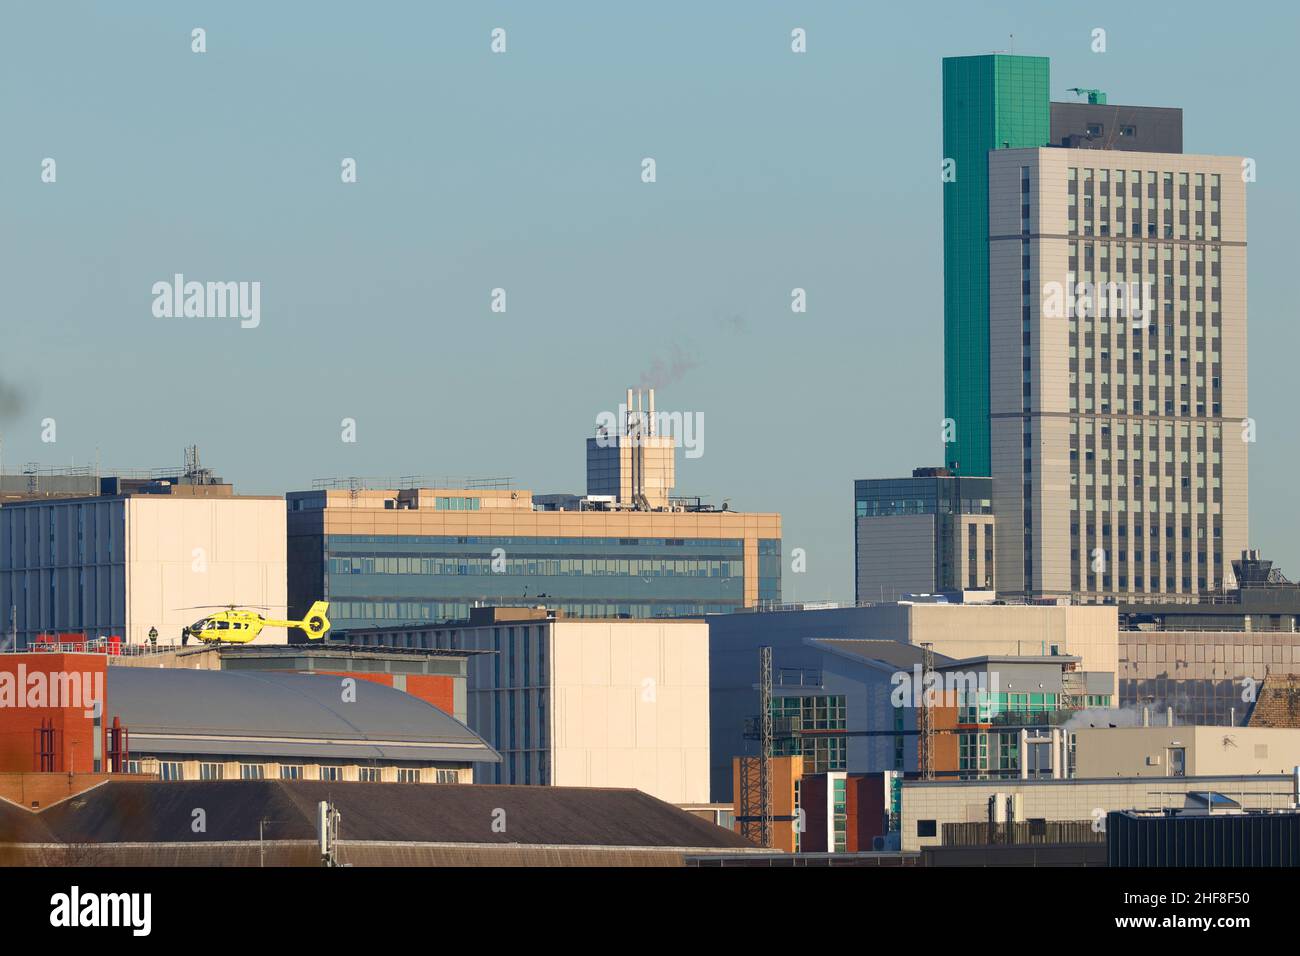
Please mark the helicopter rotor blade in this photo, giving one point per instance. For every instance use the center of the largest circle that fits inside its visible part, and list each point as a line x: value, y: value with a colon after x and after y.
x: 226, y: 607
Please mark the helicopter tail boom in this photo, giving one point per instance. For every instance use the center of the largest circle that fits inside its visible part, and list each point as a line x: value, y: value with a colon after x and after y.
x: 314, y: 623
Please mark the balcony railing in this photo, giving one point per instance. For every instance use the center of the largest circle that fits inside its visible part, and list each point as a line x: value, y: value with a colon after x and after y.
x: 1019, y: 718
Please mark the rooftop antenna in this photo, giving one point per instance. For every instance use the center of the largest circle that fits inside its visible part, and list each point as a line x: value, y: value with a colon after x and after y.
x: 637, y: 432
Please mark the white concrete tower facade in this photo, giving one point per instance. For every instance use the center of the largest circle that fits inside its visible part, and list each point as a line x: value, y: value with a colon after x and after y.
x: 1119, y: 426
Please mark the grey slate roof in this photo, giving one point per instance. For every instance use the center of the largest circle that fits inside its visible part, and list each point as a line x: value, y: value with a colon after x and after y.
x: 273, y: 714
x: 20, y: 825
x: 163, y: 812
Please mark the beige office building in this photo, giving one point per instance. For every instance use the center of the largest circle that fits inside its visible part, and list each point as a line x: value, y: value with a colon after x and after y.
x: 384, y: 557
x: 974, y: 630
x: 929, y: 805
x: 582, y: 703
x: 127, y: 564
x: 1179, y: 751
x: 1119, y: 439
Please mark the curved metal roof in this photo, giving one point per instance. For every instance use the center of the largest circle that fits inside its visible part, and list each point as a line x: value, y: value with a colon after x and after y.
x: 266, y: 714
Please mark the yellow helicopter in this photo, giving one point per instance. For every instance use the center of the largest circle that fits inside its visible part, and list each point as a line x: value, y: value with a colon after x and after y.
x: 236, y: 625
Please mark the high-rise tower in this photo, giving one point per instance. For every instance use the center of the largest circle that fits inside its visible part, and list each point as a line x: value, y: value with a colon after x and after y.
x: 990, y: 103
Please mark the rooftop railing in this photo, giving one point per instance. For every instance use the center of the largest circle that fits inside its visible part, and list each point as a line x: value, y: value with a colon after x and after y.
x: 94, y: 645
x: 407, y: 482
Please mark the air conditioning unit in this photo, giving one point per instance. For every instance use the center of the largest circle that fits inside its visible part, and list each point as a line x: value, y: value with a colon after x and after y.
x: 888, y: 843
x: 999, y: 805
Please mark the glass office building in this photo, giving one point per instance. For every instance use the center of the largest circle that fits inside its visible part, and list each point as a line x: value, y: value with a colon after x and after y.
x: 928, y: 533
x: 385, y: 558
x: 928, y: 495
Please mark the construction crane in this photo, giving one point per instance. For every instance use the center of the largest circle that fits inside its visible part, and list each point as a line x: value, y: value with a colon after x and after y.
x: 755, y: 817
x: 926, y: 756
x: 1095, y: 97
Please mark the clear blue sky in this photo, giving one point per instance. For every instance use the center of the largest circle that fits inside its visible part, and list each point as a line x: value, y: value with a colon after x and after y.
x: 522, y: 171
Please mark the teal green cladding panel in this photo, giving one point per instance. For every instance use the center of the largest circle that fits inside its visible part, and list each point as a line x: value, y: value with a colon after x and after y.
x: 990, y: 102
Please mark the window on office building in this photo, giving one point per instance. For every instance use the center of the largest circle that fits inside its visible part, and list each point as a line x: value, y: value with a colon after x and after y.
x: 840, y: 815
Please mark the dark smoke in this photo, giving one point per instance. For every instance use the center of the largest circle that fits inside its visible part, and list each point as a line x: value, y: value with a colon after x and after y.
x: 11, y: 401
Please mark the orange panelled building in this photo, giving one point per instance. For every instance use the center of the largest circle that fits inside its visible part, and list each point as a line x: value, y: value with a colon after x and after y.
x: 786, y: 774
x: 435, y: 689
x: 48, y: 717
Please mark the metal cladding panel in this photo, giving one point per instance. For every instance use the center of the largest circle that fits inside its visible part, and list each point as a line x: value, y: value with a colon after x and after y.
x: 1229, y: 840
x: 1148, y: 129
x: 896, y: 555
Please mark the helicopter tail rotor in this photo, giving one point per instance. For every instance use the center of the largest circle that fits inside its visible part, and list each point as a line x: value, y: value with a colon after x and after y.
x: 315, y: 623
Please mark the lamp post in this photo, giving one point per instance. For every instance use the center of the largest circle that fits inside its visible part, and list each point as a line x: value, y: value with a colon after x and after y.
x: 262, y: 824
